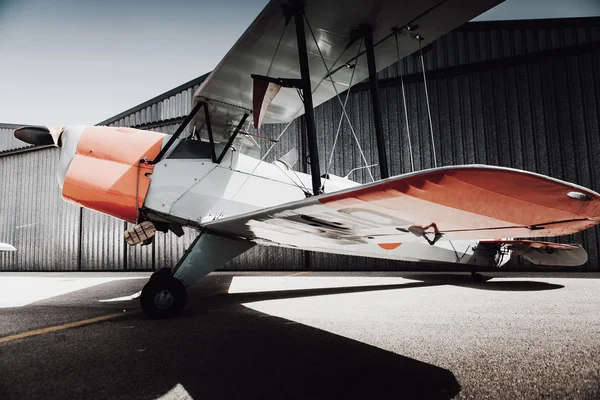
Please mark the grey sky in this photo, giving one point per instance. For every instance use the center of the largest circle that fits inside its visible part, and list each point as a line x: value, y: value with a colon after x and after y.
x: 82, y: 61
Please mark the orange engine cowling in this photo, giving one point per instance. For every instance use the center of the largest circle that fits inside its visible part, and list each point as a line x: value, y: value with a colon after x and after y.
x: 106, y: 174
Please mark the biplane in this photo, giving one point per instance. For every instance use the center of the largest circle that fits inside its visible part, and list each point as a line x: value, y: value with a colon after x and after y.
x: 209, y: 176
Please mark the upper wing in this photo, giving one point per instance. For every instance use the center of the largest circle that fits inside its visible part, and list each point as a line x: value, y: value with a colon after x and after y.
x: 228, y: 89
x: 449, y: 203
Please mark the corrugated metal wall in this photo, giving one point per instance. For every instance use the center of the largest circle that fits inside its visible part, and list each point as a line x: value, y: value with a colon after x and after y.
x: 522, y: 94
x: 33, y: 216
x: 478, y: 42
x: 7, y: 139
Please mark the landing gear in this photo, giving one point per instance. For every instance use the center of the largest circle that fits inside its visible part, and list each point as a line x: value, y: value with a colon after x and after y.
x: 163, y: 296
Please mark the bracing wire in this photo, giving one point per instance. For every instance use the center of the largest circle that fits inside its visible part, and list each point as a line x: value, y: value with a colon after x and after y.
x: 298, y: 185
x: 427, y: 100
x: 254, y: 169
x: 458, y: 258
x: 410, y: 149
x: 337, y: 133
x: 323, y: 78
x: 276, y: 48
x: 362, y: 154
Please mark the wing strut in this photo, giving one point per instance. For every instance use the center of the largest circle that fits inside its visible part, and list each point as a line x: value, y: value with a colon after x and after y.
x: 297, y: 8
x: 367, y: 32
x: 175, y: 135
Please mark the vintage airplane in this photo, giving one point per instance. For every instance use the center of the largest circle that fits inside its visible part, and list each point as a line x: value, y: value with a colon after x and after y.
x: 206, y: 177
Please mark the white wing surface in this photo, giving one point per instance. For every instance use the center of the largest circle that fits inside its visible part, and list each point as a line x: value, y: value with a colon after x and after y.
x: 450, y: 203
x: 228, y: 89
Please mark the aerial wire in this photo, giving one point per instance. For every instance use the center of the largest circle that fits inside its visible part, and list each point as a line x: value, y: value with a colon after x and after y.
x: 337, y: 133
x: 419, y: 38
x: 410, y: 149
x: 300, y: 185
x: 362, y: 154
x: 254, y: 170
x: 276, y: 48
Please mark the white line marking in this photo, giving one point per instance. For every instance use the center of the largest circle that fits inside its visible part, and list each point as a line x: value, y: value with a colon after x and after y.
x: 124, y: 298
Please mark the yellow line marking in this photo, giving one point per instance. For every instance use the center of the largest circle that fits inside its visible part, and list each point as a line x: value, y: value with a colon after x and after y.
x: 60, y: 327
x: 299, y: 273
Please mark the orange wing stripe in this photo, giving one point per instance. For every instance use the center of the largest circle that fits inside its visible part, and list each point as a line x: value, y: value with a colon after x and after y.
x: 389, y: 246
x: 477, y: 198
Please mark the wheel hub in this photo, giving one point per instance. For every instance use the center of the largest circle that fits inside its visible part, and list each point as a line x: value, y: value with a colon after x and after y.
x: 164, y: 299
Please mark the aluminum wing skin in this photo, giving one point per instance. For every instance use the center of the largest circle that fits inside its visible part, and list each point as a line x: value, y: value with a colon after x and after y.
x: 228, y: 89
x: 451, y: 203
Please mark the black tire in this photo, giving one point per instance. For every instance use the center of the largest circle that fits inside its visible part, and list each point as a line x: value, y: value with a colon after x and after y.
x: 163, y: 297
x: 161, y: 274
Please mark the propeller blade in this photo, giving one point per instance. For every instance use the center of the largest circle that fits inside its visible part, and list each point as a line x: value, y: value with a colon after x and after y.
x: 36, y: 135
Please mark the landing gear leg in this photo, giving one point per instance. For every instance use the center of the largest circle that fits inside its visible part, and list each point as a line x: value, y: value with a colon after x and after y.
x: 164, y: 296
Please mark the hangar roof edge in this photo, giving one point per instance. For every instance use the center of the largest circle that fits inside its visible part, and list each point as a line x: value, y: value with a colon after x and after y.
x: 156, y: 99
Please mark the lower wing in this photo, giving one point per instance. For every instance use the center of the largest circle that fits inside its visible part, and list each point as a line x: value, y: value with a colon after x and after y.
x: 444, y: 204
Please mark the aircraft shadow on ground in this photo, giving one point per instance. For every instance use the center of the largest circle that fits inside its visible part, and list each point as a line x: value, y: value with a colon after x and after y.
x: 487, y: 283
x: 266, y: 356
x: 219, y: 349
x: 261, y: 356
x: 222, y: 349
x: 424, y: 281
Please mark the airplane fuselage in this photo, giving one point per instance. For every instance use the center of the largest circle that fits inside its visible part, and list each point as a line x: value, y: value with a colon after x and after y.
x: 109, y: 170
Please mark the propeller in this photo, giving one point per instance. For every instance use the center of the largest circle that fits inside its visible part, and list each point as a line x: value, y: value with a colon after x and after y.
x: 39, y: 135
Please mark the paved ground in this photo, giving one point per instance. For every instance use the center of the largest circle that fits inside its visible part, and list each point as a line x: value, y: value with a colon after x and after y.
x: 400, y: 335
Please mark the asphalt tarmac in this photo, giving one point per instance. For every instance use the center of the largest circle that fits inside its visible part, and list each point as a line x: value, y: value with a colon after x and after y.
x: 303, y: 336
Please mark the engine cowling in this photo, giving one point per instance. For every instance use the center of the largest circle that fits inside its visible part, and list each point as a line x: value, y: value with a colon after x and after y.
x: 107, y: 172
x: 101, y: 168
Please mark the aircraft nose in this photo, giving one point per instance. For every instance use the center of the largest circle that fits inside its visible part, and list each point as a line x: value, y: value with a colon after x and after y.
x: 39, y: 135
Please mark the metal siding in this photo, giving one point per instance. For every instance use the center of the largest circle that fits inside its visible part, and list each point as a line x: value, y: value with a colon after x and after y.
x: 138, y: 258
x: 471, y: 44
x: 33, y: 217
x: 169, y: 248
x: 8, y: 141
x: 263, y: 258
x: 102, y: 243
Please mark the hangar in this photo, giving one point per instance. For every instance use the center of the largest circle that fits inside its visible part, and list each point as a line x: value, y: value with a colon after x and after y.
x: 520, y: 94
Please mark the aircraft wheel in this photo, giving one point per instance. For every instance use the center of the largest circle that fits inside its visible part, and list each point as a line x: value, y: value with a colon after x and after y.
x: 161, y: 273
x: 163, y: 296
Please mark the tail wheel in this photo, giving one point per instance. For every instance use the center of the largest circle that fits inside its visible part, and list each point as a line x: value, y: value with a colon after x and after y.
x: 163, y: 296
